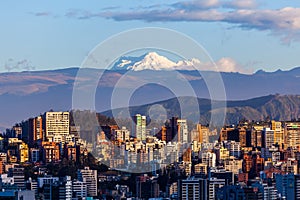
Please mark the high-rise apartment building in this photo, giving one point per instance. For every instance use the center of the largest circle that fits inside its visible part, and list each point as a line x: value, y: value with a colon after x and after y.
x: 33, y: 130
x: 242, y: 136
x: 122, y: 134
x: 193, y: 188
x: 285, y: 184
x: 34, y: 155
x: 17, y: 132
x: 278, y: 132
x: 90, y: 178
x: 256, y: 136
x: 51, y: 152
x: 67, y: 189
x: 213, y: 186
x: 80, y: 189
x: 269, y: 192
x: 234, y: 165
x: 224, y: 133
x: 18, y: 175
x: 38, y: 130
x: 165, y: 134
x: 200, y: 188
x: 23, y: 152
x: 182, y: 133
x: 234, y: 148
x: 203, y: 134
x: 292, y: 132
x: 208, y: 158
x: 139, y: 127
x: 268, y: 137
x: 57, y: 125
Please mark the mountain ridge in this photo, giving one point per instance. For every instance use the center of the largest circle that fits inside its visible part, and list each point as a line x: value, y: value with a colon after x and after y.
x: 30, y: 93
x: 277, y: 107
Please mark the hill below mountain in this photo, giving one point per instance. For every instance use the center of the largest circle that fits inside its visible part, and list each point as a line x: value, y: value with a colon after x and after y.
x: 27, y: 94
x: 278, y: 107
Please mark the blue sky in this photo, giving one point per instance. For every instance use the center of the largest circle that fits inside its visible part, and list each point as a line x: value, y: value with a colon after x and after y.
x: 247, y: 34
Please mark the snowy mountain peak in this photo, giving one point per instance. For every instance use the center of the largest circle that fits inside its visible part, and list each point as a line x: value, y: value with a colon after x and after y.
x: 152, y: 55
x: 153, y: 61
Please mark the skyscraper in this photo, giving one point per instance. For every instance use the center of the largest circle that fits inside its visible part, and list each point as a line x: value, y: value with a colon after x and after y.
x: 268, y: 137
x: 292, y: 130
x: 182, y: 133
x: 203, y: 132
x: 139, y: 127
x: 256, y: 136
x: 57, y: 126
x: 38, y: 129
x: 278, y: 132
x: 33, y: 130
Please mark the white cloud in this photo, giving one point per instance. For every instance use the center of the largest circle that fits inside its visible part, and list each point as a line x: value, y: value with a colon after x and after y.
x: 229, y: 65
x: 285, y: 18
x: 200, y: 4
x: 245, y: 4
x: 243, y: 13
x: 224, y: 64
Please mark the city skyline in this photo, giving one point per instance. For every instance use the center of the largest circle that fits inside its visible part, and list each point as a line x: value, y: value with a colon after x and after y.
x: 247, y: 160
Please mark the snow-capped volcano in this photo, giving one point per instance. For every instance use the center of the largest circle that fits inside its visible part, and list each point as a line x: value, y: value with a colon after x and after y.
x: 153, y: 61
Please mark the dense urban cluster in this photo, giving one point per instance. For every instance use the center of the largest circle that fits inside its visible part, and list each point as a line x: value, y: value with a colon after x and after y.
x: 50, y: 157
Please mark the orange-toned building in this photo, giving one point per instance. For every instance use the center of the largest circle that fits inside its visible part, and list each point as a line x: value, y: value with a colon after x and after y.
x: 258, y: 164
x: 165, y: 134
x: 224, y: 133
x: 242, y: 136
x: 187, y: 155
x: 247, y: 165
x: 256, y: 136
x: 203, y: 134
x: 2, y: 166
x: 51, y: 152
x: 38, y: 129
x: 243, y: 177
x: 70, y: 152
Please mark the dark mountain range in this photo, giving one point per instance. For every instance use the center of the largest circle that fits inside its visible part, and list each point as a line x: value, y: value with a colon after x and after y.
x: 278, y: 107
x: 27, y: 94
